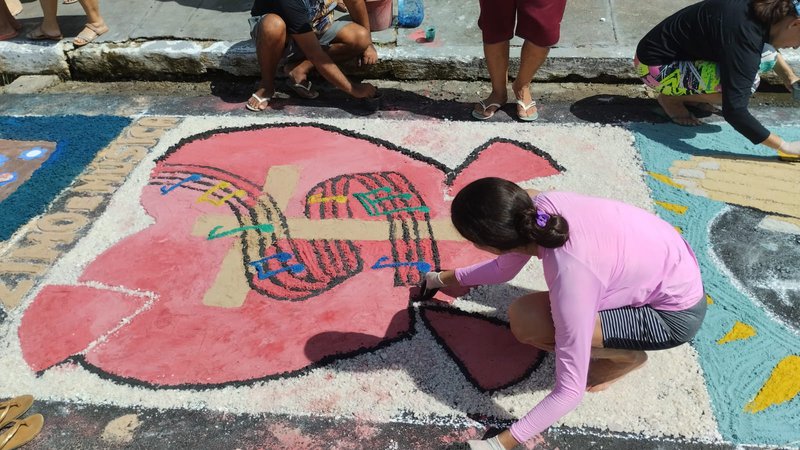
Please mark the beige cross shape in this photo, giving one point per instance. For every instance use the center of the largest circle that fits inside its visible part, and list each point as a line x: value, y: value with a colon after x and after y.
x: 231, y: 285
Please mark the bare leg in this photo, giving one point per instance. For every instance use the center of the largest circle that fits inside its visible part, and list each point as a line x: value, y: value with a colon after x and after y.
x: 92, y: 10
x: 497, y: 61
x: 609, y: 365
x: 49, y: 25
x: 8, y: 24
x: 675, y: 106
x: 532, y: 324
x: 532, y: 58
x: 271, y: 39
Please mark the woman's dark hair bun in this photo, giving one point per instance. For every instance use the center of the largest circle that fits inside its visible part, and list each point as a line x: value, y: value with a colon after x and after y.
x: 547, y: 230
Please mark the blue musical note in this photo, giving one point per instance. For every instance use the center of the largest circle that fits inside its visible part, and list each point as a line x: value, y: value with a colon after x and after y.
x: 193, y: 177
x: 282, y: 257
x: 422, y: 266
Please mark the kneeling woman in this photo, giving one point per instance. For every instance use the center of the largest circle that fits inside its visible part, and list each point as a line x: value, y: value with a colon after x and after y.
x: 620, y: 279
x: 711, y: 53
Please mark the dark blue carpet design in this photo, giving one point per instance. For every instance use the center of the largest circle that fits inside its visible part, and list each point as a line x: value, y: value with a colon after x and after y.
x: 78, y: 139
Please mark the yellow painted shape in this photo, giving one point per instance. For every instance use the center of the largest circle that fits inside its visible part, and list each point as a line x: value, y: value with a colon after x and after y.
x: 665, y: 179
x: 739, y: 332
x: 709, y: 300
x: 679, y: 229
x: 678, y: 209
x: 783, y: 385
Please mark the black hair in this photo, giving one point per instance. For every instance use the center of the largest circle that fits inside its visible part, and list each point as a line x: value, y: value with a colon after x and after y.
x: 497, y: 213
x: 770, y: 12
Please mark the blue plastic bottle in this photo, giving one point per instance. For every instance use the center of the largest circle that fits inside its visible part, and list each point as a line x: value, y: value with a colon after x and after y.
x: 410, y: 13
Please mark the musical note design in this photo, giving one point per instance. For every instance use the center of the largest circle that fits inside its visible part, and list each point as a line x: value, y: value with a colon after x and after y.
x: 422, y: 266
x: 282, y: 257
x: 318, y: 198
x: 267, y: 228
x: 371, y: 201
x: 167, y: 189
x: 209, y: 198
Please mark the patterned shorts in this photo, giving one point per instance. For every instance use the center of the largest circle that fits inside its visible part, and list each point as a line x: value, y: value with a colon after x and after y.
x: 646, y: 328
x: 683, y: 77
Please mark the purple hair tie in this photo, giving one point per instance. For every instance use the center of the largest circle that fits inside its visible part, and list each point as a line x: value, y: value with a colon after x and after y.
x: 542, y: 218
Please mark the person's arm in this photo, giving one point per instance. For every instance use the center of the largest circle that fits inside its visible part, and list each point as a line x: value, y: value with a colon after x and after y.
x: 494, y: 271
x: 738, y: 67
x: 309, y: 44
x: 785, y: 72
x: 574, y: 294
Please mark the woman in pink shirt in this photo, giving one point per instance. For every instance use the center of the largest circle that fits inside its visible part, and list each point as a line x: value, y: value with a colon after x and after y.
x: 621, y: 281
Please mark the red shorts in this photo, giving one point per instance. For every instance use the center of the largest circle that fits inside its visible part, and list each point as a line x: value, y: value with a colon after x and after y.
x: 538, y: 21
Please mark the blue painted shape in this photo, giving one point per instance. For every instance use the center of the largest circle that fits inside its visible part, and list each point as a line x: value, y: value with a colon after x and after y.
x: 282, y: 257
x: 734, y: 373
x: 3, y: 160
x: 167, y: 189
x: 410, y: 13
x: 7, y: 178
x: 422, y: 266
x: 33, y: 153
x: 78, y: 139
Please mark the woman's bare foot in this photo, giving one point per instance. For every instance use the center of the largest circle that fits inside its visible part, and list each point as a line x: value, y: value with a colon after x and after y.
x: 260, y: 99
x: 486, y: 108
x: 676, y: 110
x: 604, y: 372
x: 706, y: 107
x: 525, y: 105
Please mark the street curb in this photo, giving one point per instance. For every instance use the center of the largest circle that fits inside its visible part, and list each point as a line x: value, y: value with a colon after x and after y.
x: 184, y: 59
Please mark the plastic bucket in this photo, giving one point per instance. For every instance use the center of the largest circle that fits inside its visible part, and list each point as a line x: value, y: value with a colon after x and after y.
x: 410, y: 13
x: 380, y: 14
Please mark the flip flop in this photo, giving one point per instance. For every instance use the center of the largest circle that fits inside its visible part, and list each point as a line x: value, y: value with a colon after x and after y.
x: 304, y: 91
x: 89, y: 34
x: 69, y: 2
x: 9, y: 36
x: 788, y: 157
x: 21, y: 432
x: 486, y: 107
x: 525, y: 109
x: 13, y: 408
x: 37, y: 34
x: 260, y: 101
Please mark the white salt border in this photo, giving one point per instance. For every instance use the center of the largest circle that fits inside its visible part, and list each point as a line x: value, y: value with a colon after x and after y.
x: 666, y: 398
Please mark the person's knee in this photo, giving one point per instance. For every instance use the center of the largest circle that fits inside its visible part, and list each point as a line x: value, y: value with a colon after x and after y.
x: 531, y: 323
x: 271, y: 27
x: 356, y: 37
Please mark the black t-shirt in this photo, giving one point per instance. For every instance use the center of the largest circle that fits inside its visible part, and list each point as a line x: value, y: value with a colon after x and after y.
x: 300, y: 16
x: 725, y: 32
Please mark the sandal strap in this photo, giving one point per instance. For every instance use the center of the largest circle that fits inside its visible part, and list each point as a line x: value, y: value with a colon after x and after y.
x: 16, y: 424
x: 6, y: 408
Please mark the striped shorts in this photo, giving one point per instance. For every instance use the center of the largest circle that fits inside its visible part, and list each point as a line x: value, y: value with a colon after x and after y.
x: 645, y: 328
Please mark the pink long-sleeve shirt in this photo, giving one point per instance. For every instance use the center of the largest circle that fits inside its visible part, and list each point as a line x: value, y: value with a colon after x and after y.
x: 617, y: 255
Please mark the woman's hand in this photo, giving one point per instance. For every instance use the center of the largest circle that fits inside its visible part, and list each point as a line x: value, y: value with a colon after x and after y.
x: 433, y: 280
x: 487, y: 444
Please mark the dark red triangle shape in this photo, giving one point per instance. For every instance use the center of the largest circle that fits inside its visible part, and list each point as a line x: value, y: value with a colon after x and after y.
x: 485, y: 350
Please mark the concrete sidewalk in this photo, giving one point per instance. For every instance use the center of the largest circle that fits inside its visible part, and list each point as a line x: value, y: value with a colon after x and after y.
x: 169, y: 39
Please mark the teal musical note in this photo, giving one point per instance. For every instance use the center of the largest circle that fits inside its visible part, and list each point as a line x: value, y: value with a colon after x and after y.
x: 371, y: 201
x: 267, y: 228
